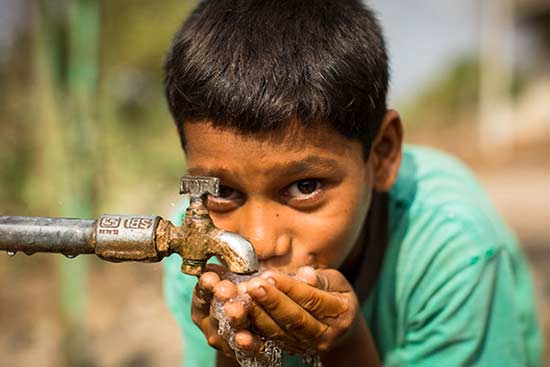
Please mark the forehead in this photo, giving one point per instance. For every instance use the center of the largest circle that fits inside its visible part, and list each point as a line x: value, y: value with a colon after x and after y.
x: 207, y: 145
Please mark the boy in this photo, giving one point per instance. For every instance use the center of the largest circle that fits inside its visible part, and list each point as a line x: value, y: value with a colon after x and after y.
x: 375, y: 253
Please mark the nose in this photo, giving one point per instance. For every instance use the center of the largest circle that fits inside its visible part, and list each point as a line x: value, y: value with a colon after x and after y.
x: 261, y: 224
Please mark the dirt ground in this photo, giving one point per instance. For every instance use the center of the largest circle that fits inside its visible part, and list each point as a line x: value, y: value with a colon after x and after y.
x: 128, y: 324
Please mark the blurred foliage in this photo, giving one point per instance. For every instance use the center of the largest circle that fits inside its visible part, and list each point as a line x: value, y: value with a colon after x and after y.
x: 15, y: 141
x: 136, y: 145
x: 452, y: 98
x: 84, y: 125
x: 446, y: 99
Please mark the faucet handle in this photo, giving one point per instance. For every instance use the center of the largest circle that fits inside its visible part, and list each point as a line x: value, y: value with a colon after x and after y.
x: 198, y: 186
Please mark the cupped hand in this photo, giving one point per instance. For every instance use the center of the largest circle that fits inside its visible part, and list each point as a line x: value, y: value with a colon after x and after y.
x: 315, y: 311
x: 210, y: 288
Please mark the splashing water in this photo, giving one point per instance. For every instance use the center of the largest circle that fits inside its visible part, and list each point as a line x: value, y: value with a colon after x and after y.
x: 272, y: 352
x: 313, y: 360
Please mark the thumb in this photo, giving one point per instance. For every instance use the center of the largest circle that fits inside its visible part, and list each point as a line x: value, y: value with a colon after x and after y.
x: 325, y: 279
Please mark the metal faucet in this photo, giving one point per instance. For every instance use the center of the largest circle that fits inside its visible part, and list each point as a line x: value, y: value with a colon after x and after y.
x: 120, y: 238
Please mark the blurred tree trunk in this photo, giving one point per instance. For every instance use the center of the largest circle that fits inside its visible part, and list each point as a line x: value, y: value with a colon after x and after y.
x: 66, y: 70
x: 496, y: 127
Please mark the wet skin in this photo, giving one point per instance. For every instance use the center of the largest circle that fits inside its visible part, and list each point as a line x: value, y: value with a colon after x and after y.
x: 301, y: 196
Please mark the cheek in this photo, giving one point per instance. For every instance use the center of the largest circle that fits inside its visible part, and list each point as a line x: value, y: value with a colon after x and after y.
x: 328, y: 238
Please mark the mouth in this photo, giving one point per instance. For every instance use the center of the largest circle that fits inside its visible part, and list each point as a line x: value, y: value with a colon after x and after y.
x: 284, y: 266
x: 271, y: 265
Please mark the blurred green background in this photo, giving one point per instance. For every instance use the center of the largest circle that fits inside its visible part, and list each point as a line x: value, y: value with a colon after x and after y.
x: 83, y: 104
x: 84, y: 130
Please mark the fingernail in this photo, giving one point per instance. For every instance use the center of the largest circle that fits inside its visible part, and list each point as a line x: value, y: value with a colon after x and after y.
x: 307, y: 275
x: 239, y: 342
x: 242, y: 288
x: 268, y: 276
x: 259, y: 292
x: 243, y: 340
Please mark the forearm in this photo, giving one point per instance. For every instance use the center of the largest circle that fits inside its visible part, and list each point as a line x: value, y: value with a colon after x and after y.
x: 358, y: 350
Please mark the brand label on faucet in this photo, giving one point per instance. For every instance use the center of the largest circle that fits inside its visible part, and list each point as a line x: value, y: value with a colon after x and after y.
x: 109, y: 222
x: 125, y: 237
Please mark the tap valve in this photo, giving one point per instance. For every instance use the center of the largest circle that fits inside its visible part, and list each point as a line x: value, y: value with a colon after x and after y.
x: 197, y: 187
x: 200, y: 239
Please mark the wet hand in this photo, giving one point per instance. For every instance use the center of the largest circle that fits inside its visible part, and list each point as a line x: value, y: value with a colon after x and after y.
x: 212, y: 287
x: 314, y: 312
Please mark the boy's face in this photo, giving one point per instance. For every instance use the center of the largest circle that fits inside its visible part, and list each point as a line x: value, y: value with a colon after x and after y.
x: 300, y: 196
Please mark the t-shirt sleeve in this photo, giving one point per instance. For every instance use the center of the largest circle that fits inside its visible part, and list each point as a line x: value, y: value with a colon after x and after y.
x: 456, y: 300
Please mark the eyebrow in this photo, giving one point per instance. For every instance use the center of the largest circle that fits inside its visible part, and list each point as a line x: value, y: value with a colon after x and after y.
x: 309, y: 165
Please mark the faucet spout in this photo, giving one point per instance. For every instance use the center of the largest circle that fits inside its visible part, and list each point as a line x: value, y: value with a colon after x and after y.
x: 236, y: 252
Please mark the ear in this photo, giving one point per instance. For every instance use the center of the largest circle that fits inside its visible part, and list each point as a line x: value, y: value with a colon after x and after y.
x: 386, y: 151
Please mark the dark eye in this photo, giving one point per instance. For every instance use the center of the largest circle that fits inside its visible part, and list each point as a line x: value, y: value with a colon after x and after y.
x: 304, y: 188
x: 225, y: 192
x: 227, y: 199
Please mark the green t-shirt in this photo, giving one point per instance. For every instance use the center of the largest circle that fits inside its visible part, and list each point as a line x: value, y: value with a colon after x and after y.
x: 454, y: 288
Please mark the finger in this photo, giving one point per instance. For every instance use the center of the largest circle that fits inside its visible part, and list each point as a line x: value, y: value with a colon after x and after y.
x: 252, y: 345
x: 208, y: 281
x: 203, y: 292
x: 326, y: 279
x: 236, y: 312
x: 209, y: 327
x: 285, y: 312
x: 200, y: 305
x: 319, y: 303
x: 261, y: 321
x: 247, y: 342
x: 225, y: 290
x: 307, y: 275
x: 266, y: 326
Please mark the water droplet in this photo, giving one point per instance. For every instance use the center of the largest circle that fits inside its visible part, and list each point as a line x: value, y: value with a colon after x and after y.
x: 12, y: 253
x: 271, y: 352
x: 70, y: 256
x: 172, y: 204
x: 312, y: 359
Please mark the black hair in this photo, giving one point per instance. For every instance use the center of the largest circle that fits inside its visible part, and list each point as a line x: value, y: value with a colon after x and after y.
x: 254, y: 65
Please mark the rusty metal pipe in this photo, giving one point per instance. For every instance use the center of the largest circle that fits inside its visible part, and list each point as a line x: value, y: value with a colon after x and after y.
x: 39, y: 234
x: 113, y: 237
